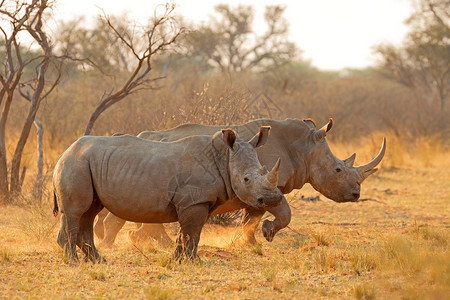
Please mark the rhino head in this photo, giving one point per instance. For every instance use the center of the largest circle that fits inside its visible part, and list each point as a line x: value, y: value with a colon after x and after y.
x: 252, y: 183
x: 336, y: 179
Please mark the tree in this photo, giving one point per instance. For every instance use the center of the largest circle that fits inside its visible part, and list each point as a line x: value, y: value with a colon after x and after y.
x: 141, y: 46
x: 422, y: 63
x: 229, y: 43
x: 28, y: 74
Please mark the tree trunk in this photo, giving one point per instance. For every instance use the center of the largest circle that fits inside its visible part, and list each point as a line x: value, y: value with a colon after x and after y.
x: 4, y: 190
x: 91, y: 122
x: 4, y: 184
x: 15, y: 186
x: 38, y: 184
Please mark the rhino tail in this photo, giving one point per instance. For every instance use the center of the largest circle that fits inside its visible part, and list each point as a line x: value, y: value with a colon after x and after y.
x: 55, y: 205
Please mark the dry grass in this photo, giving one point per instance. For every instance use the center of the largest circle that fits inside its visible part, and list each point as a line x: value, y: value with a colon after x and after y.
x: 397, y: 248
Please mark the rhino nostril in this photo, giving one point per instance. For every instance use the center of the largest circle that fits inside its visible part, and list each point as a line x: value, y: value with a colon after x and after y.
x: 356, y: 195
x: 260, y: 201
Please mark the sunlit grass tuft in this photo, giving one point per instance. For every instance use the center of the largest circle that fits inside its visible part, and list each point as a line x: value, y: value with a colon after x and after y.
x: 156, y: 292
x: 6, y: 255
x: 321, y: 239
x: 37, y: 221
x: 364, y: 291
x: 363, y: 259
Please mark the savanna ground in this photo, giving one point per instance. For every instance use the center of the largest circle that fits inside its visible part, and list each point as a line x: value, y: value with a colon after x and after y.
x: 396, y: 247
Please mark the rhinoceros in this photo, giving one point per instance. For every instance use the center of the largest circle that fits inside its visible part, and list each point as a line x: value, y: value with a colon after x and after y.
x: 149, y: 181
x: 306, y: 158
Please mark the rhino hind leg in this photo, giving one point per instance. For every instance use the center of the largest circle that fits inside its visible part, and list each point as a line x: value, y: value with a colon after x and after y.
x: 112, y: 225
x: 67, y: 236
x: 98, y: 225
x: 85, y: 238
x: 191, y: 219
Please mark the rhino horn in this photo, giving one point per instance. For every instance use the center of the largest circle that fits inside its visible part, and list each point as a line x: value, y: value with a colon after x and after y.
x: 350, y: 161
x: 272, y: 176
x: 322, y: 132
x: 369, y: 168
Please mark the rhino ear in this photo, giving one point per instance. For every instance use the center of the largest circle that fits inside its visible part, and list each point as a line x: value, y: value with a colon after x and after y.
x: 310, y: 122
x: 322, y: 132
x: 261, y: 138
x: 229, y: 137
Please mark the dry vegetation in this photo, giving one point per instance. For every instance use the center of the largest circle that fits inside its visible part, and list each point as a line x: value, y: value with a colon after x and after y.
x: 394, y: 248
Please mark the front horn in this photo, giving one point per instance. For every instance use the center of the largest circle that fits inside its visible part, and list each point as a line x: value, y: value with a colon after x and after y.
x: 369, y: 168
x: 272, y: 176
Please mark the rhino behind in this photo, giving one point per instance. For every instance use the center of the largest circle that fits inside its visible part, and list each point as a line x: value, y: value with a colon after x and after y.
x: 306, y: 158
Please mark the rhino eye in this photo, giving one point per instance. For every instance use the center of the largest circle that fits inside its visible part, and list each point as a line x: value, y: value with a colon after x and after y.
x: 246, y: 179
x: 338, y: 169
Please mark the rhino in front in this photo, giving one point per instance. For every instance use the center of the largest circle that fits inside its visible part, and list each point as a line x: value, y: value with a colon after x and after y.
x: 148, y: 181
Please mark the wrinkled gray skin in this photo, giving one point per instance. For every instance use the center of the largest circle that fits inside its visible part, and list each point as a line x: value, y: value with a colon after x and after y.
x: 148, y: 181
x: 305, y: 158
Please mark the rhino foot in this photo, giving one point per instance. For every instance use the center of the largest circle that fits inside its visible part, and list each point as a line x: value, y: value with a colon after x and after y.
x: 95, y: 260
x: 180, y: 255
x: 268, y: 230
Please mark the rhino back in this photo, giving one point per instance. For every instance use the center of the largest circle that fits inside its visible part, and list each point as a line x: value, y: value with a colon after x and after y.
x: 289, y: 140
x: 179, y: 132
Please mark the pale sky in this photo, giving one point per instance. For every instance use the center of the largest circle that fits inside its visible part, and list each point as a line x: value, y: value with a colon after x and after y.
x: 333, y: 34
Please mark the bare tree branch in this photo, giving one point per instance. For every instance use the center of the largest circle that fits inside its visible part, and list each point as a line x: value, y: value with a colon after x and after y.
x: 137, y: 79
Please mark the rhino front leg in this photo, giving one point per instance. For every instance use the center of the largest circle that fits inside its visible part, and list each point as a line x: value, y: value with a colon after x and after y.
x: 282, y: 214
x: 112, y: 226
x: 251, y: 218
x: 99, y: 226
x: 191, y: 219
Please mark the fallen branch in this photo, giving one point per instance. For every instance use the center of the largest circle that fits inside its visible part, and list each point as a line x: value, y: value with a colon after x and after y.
x: 140, y: 251
x: 370, y: 199
x: 340, y: 224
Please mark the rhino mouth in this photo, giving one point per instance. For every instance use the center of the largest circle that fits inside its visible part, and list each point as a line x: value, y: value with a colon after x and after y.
x: 263, y: 202
x: 352, y: 197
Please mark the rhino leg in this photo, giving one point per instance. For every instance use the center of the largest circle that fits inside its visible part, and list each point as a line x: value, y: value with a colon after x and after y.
x: 251, y: 218
x: 67, y: 236
x: 178, y: 253
x: 86, y: 235
x: 147, y: 231
x: 282, y: 219
x: 112, y: 226
x: 99, y: 226
x: 250, y: 221
x: 191, y: 221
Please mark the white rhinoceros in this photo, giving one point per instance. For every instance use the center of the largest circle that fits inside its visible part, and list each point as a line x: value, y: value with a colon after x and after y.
x: 306, y: 158
x: 148, y: 181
